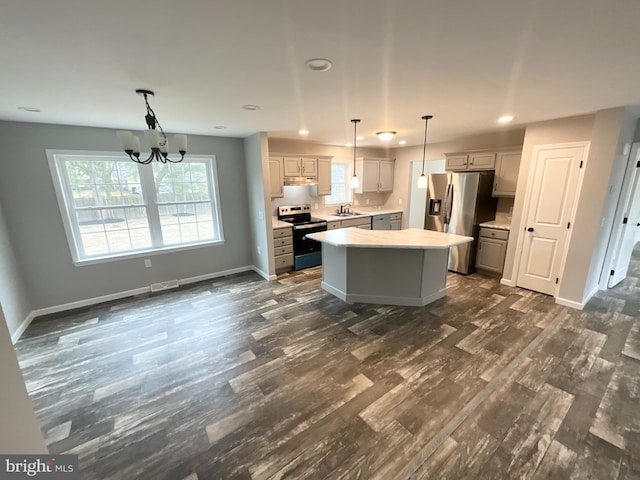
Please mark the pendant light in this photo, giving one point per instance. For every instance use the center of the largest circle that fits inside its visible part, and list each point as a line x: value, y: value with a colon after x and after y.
x: 422, y: 181
x: 355, y: 183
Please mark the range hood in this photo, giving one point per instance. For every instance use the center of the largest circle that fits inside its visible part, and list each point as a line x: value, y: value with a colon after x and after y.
x: 300, y: 181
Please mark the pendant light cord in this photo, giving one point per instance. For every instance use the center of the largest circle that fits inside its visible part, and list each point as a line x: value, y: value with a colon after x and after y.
x: 424, y: 148
x: 355, y: 126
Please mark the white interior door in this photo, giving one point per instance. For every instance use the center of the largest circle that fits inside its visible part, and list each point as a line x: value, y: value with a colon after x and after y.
x: 551, y: 198
x: 627, y: 221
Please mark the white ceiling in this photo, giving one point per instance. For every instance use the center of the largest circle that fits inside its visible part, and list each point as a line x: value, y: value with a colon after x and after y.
x: 465, y: 62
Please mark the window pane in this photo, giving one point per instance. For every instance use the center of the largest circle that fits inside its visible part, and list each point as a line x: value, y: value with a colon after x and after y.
x: 108, y: 212
x: 171, y: 234
x: 95, y: 244
x: 118, y: 240
x: 97, y: 183
x: 340, y: 184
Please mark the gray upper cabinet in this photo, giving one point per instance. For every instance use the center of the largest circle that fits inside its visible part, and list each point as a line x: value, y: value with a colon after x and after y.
x: 507, y: 169
x: 300, y: 167
x: 375, y: 174
x: 324, y: 178
x: 470, y: 161
x: 275, y: 177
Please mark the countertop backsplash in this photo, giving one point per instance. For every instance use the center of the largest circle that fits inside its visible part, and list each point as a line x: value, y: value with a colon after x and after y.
x: 300, y: 195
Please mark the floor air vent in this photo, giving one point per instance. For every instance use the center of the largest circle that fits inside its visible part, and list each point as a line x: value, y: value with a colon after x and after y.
x: 156, y: 287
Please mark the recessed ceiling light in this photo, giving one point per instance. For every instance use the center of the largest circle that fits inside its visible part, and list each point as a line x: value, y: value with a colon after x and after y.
x: 386, y: 136
x: 360, y: 138
x: 505, y: 119
x: 318, y: 64
x: 402, y: 142
x: 303, y: 132
x: 29, y: 109
x: 251, y: 107
x: 219, y: 127
x: 348, y: 144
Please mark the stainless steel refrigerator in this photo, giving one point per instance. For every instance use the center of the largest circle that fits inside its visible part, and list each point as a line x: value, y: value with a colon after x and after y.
x: 457, y: 203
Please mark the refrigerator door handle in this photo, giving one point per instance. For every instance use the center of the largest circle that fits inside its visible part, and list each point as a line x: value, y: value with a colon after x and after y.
x: 448, y: 206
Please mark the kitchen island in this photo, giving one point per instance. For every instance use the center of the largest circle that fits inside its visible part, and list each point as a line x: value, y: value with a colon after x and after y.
x: 392, y: 267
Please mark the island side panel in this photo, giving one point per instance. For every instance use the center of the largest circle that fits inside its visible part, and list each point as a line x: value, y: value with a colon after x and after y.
x: 334, y: 270
x: 390, y: 276
x: 434, y: 275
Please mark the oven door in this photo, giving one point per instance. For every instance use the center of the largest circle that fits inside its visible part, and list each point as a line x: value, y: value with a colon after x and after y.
x: 306, y: 252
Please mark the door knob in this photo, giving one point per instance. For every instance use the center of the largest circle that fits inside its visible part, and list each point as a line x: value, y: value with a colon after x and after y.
x: 530, y: 229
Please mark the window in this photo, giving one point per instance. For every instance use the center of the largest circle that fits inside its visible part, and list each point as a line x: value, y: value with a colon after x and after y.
x: 113, y: 207
x: 340, y: 183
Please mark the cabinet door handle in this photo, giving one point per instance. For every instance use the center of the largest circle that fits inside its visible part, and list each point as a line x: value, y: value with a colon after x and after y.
x: 530, y: 229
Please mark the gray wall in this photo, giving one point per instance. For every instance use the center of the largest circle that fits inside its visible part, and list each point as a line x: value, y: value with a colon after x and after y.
x: 37, y: 234
x: 20, y: 432
x: 257, y: 166
x: 13, y: 294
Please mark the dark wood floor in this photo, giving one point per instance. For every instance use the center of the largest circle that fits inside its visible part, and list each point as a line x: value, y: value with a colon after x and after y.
x: 243, y: 378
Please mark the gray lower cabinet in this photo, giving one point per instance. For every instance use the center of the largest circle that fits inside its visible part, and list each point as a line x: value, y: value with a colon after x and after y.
x: 396, y: 221
x: 283, y: 248
x: 492, y: 248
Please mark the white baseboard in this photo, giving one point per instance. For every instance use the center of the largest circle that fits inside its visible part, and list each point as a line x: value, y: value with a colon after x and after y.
x: 507, y: 282
x: 570, y: 303
x: 209, y: 276
x: 15, y: 336
x: 264, y: 275
x: 115, y: 296
x: 577, y: 305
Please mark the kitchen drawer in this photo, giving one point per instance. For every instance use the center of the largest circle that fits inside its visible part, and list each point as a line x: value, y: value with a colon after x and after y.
x: 333, y: 225
x: 283, y: 250
x: 282, y: 232
x: 396, y: 216
x: 282, y: 241
x: 364, y: 227
x: 284, y: 261
x: 494, y: 233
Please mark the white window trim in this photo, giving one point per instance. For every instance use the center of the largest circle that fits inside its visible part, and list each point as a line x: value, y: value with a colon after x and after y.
x: 56, y: 177
x: 348, y: 174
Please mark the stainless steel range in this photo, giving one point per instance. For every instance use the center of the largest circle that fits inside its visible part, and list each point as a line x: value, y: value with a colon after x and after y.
x: 306, y: 252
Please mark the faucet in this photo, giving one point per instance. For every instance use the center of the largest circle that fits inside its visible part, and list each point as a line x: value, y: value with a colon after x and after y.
x: 344, y: 208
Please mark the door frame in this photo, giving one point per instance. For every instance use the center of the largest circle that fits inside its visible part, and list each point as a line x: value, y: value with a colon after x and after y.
x: 625, y: 191
x: 527, y: 200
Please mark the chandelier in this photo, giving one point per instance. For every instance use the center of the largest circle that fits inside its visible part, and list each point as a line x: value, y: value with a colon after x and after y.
x: 156, y: 137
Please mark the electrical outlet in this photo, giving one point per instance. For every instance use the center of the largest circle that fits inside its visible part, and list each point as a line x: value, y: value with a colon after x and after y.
x: 259, y: 249
x: 147, y: 262
x: 260, y: 215
x: 367, y: 201
x: 399, y: 201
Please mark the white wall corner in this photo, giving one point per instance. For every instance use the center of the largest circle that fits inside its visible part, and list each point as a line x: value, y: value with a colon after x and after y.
x: 577, y: 305
x: 508, y: 282
x: 22, y: 327
x: 263, y: 274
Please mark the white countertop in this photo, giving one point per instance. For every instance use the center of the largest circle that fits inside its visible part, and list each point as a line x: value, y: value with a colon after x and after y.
x: 413, y: 238
x: 500, y: 224
x: 275, y: 223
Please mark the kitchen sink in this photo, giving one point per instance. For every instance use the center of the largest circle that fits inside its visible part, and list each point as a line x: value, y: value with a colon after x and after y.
x: 354, y: 214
